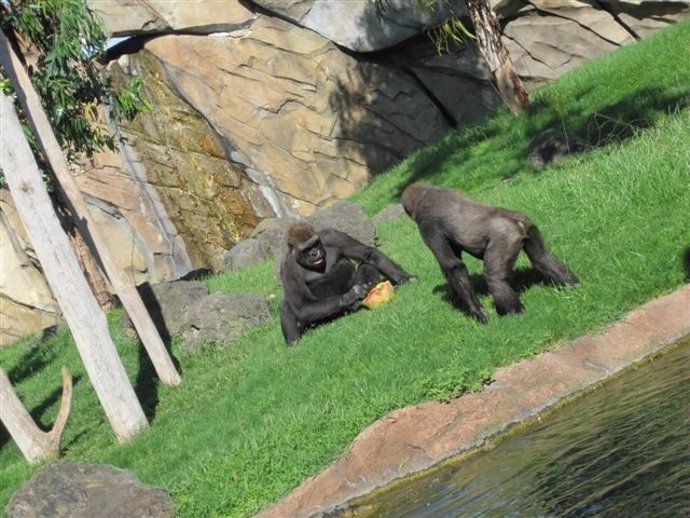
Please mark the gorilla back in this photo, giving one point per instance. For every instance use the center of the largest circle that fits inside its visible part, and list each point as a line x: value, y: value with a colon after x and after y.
x: 452, y: 223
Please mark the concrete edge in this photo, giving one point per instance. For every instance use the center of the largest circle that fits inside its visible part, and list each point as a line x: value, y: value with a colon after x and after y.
x: 415, y: 438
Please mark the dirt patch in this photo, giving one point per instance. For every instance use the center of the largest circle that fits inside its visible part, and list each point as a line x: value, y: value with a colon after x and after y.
x: 417, y: 437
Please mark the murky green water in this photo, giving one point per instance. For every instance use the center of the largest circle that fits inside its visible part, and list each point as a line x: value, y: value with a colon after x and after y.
x: 622, y: 450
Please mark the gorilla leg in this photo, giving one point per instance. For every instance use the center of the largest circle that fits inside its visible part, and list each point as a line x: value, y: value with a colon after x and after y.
x: 546, y: 263
x: 449, y: 259
x: 499, y: 258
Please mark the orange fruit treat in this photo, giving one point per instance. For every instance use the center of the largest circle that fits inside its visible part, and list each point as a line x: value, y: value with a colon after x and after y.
x: 379, y: 295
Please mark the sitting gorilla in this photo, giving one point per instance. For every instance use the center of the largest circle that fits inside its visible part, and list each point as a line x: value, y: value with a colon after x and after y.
x: 321, y: 280
x: 452, y: 223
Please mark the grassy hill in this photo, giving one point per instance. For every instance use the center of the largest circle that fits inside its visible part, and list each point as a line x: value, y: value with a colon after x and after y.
x: 254, y: 419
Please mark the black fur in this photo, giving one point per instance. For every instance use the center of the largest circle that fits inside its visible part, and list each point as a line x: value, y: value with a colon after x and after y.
x: 326, y: 274
x: 452, y: 223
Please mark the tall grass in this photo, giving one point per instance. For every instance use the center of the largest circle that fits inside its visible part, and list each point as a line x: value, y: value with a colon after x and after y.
x: 253, y: 419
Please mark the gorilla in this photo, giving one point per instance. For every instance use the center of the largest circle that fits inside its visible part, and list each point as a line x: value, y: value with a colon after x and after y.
x: 452, y: 223
x: 326, y: 274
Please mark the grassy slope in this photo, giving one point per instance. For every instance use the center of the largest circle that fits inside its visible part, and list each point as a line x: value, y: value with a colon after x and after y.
x: 252, y: 420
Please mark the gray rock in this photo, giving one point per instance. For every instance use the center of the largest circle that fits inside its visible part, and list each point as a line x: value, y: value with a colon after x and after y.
x: 67, y: 490
x: 347, y: 217
x: 133, y: 17
x: 271, y: 232
x: 342, y: 215
x: 270, y: 236
x: 168, y: 303
x: 459, y: 80
x: 356, y: 24
x: 244, y: 253
x: 221, y: 318
x: 390, y: 211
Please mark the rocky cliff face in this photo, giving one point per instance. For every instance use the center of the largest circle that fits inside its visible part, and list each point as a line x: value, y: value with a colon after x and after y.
x: 26, y: 302
x: 272, y: 108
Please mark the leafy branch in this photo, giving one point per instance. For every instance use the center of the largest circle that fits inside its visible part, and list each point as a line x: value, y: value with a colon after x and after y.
x: 61, y: 42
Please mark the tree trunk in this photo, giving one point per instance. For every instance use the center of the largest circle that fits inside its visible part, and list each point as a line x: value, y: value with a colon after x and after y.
x: 488, y: 33
x: 84, y: 316
x: 128, y: 294
x: 35, y: 444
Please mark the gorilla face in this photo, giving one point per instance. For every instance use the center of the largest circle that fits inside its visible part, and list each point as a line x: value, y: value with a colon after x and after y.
x: 311, y: 255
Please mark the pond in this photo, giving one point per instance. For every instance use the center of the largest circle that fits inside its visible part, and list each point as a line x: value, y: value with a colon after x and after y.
x: 622, y: 449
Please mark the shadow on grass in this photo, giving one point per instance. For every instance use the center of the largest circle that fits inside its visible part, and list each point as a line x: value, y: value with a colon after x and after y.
x: 36, y: 358
x: 510, y: 139
x: 146, y: 383
x: 521, y: 280
x: 686, y: 264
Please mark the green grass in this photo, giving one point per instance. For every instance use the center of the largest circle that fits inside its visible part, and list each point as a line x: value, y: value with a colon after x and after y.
x: 252, y: 420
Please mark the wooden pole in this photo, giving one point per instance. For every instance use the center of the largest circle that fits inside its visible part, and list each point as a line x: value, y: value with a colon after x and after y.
x: 79, y: 306
x: 126, y: 292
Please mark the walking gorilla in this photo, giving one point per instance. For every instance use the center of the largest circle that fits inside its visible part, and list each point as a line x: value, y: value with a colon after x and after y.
x: 452, y: 223
x: 321, y: 281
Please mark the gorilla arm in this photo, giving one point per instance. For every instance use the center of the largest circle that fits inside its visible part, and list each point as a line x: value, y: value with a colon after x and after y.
x: 453, y: 268
x: 351, y: 248
x: 301, y: 308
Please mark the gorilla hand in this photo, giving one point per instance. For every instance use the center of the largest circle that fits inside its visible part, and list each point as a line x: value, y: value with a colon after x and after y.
x: 353, y: 298
x: 480, y: 314
x: 406, y: 278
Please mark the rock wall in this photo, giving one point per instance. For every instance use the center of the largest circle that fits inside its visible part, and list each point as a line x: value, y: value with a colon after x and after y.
x: 271, y: 108
x: 26, y: 302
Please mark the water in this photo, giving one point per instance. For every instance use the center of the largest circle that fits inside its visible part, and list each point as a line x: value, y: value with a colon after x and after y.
x: 622, y: 450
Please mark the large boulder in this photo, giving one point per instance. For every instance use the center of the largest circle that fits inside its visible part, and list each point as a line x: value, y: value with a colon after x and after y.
x: 270, y: 237
x: 644, y: 17
x: 353, y: 24
x: 168, y: 304
x: 459, y: 81
x: 221, y: 318
x: 185, y: 308
x: 347, y: 217
x: 358, y: 24
x: 66, y: 490
x: 550, y: 38
x: 135, y: 17
x: 267, y: 240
